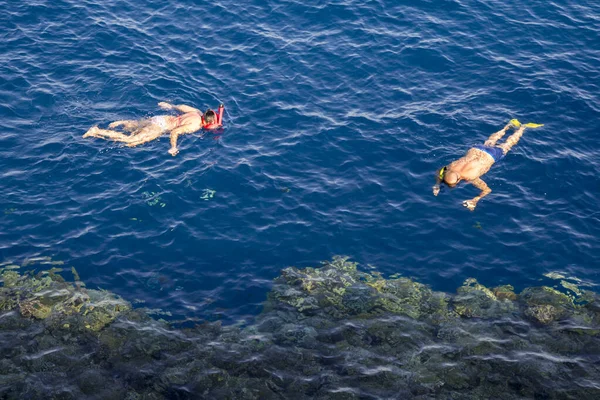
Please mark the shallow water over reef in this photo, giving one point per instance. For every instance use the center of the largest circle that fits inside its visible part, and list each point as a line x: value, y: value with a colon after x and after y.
x: 331, y: 332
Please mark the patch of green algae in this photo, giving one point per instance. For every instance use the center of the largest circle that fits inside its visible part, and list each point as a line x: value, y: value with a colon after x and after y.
x: 474, y: 300
x: 339, y: 289
x: 545, y: 304
x: 34, y: 309
x: 49, y: 296
x: 10, y: 278
x: 471, y: 285
x: 572, y: 287
x: 505, y: 292
x: 342, y: 290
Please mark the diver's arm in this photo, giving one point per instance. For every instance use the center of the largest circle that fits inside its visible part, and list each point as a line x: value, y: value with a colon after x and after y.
x: 485, y: 190
x: 181, y: 107
x: 190, y: 128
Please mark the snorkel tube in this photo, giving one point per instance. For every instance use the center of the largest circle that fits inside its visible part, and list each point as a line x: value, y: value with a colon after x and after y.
x: 439, y: 178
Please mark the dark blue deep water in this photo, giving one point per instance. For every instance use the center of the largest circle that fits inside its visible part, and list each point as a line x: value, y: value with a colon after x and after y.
x: 337, y: 116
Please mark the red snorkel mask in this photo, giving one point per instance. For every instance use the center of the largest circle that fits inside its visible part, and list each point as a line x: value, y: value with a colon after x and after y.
x: 218, y: 118
x: 210, y: 125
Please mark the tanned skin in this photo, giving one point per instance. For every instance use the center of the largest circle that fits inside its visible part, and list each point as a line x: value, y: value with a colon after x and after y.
x: 476, y: 163
x: 143, y: 131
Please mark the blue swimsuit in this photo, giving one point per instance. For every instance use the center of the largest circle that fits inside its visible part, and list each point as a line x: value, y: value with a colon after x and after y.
x: 495, y: 152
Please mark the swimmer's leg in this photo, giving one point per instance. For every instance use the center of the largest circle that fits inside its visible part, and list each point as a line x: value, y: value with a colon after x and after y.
x: 91, y: 132
x: 512, y: 140
x: 497, y: 136
x: 144, y: 135
x: 128, y: 124
x: 107, y: 134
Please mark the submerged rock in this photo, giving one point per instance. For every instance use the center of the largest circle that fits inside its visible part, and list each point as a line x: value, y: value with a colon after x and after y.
x: 505, y: 292
x: 545, y: 304
x: 340, y: 290
x: 10, y: 278
x: 33, y: 308
x: 50, y: 297
x: 477, y: 301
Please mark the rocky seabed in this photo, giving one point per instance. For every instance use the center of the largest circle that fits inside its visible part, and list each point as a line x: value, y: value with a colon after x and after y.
x: 331, y: 332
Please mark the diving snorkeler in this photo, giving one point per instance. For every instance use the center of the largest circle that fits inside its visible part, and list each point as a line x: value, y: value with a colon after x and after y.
x: 478, y: 161
x: 142, y: 131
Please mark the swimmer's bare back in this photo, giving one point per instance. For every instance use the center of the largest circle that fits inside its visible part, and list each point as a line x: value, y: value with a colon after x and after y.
x: 144, y: 131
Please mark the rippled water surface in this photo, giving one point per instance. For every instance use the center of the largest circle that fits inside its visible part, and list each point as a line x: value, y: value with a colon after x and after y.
x: 337, y: 116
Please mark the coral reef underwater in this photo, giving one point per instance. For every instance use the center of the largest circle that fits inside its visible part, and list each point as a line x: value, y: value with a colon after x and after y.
x: 331, y: 332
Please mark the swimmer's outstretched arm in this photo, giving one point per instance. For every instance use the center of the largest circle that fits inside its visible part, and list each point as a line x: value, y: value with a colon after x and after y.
x: 191, y: 128
x: 485, y: 190
x: 181, y: 107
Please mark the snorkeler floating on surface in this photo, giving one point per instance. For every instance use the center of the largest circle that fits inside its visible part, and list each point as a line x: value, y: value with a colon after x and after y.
x: 479, y: 160
x: 146, y: 130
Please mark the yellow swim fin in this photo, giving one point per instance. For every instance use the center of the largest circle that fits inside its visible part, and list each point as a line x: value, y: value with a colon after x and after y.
x: 532, y: 125
x: 515, y: 122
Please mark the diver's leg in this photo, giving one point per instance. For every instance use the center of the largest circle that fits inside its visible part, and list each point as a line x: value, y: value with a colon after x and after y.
x: 90, y: 132
x: 497, y: 136
x: 107, y: 134
x: 128, y: 124
x: 146, y: 134
x: 512, y: 140
x: 132, y: 126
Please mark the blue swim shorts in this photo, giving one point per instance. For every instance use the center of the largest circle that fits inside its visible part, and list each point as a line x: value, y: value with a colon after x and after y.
x: 495, y: 152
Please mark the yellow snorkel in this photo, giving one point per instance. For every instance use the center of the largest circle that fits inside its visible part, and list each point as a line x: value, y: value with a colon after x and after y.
x: 439, y: 179
x: 442, y: 173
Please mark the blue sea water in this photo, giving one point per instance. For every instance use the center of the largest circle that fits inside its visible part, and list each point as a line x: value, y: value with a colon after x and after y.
x: 338, y: 114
